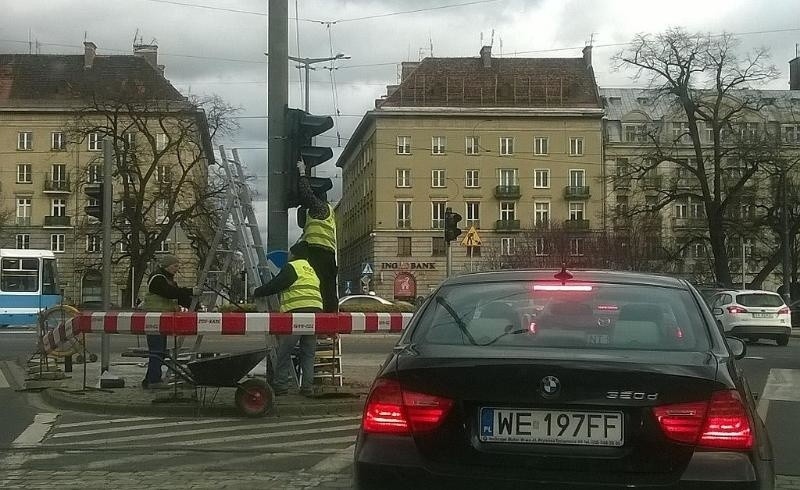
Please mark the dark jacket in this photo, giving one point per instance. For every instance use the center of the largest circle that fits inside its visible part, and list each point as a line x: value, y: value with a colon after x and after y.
x: 163, y: 284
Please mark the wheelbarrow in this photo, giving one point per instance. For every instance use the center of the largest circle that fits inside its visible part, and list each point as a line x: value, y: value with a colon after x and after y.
x: 254, y: 397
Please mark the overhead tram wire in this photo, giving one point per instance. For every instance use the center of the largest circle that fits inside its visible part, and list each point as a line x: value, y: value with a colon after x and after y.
x: 335, y: 93
x: 297, y: 37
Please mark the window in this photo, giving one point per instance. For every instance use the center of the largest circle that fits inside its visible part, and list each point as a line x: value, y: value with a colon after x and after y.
x: 437, y: 214
x: 506, y: 146
x: 24, y: 140
x: 698, y: 250
x: 508, y: 210
x: 635, y: 133
x: 130, y: 140
x: 94, y: 243
x: 24, y: 211
x: 94, y: 174
x: 404, y: 215
x: 23, y: 241
x: 577, y: 211
x: 709, y: 133
x: 58, y: 207
x: 164, y: 247
x: 541, y: 178
x: 404, y: 246
x: 507, y: 246
x: 697, y: 210
x: 540, y: 146
x: 540, y: 247
x: 58, y: 173
x: 681, y: 210
x: 577, y: 178
x: 57, y: 242
x: 24, y: 173
x: 680, y: 132
x: 20, y: 275
x: 623, y: 167
x: 576, y: 247
x: 438, y: 178
x: 438, y: 247
x: 507, y: 176
x: 95, y: 141
x: 404, y: 145
x: 123, y: 243
x: 622, y: 205
x: 576, y: 146
x: 57, y: 141
x: 161, y: 141
x: 791, y: 133
x: 163, y: 174
x: 748, y: 131
x: 473, y: 213
x: 403, y: 177
x: 541, y: 214
x: 472, y: 179
x: 162, y: 208
x: 651, y: 202
x: 472, y: 146
x: 438, y: 145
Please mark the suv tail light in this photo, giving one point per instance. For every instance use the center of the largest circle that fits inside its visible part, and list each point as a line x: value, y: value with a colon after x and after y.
x: 736, y: 309
x: 392, y: 410
x: 720, y: 423
x: 784, y: 311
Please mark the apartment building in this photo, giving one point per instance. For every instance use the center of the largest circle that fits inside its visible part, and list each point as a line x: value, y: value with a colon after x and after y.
x: 44, y: 166
x: 514, y: 145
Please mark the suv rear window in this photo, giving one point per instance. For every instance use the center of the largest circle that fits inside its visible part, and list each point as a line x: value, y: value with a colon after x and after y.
x: 759, y: 299
x: 588, y: 315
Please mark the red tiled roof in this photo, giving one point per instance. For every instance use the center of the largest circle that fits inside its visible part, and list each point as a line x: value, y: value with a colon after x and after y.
x: 508, y: 82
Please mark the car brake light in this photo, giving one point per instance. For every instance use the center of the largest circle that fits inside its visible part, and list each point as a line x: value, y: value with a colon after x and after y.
x: 784, y: 311
x: 562, y: 287
x: 607, y: 308
x: 392, y: 410
x: 736, y: 309
x: 721, y: 423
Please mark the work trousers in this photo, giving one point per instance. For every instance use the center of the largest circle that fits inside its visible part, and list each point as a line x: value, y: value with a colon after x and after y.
x: 157, y: 348
x: 323, y: 261
x: 283, y: 370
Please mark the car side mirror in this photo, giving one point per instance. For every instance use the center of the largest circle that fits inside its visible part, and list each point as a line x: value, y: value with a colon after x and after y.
x: 716, y: 311
x: 737, y: 347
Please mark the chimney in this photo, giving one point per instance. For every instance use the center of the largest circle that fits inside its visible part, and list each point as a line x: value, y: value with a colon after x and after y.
x: 587, y: 56
x: 794, y: 74
x: 89, y: 52
x: 486, y: 56
x: 149, y: 52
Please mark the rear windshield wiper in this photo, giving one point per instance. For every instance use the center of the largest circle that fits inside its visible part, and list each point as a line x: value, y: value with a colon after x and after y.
x: 505, y: 334
x: 461, y: 325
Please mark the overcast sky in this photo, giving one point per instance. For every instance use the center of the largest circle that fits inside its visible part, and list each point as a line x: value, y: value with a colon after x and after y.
x: 217, y: 46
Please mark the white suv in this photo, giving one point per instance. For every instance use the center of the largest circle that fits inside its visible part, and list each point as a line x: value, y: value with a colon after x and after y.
x: 753, y: 315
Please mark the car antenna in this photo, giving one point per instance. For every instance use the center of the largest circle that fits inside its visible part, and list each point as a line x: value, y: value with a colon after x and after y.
x: 564, y: 275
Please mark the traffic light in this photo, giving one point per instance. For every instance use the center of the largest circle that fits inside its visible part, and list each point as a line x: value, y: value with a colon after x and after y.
x: 94, y: 193
x: 451, y: 229
x: 302, y: 128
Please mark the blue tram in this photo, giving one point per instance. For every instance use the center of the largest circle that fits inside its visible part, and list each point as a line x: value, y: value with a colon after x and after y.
x: 28, y: 285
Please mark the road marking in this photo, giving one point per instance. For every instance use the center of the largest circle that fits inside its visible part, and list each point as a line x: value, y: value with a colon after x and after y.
x: 315, y: 430
x: 3, y: 380
x: 336, y: 462
x: 35, y: 432
x: 108, y: 421
x: 107, y: 430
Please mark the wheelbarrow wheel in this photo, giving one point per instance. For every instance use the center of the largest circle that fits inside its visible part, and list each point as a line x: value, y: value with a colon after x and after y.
x: 254, y: 398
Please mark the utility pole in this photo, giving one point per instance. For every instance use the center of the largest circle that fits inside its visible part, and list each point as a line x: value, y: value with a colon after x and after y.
x: 277, y: 137
x: 108, y: 195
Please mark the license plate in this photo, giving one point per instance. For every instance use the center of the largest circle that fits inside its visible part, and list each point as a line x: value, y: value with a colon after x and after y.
x: 551, y: 427
x: 762, y: 315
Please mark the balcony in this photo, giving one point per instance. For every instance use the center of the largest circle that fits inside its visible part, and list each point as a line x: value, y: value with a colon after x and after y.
x: 57, y: 186
x: 576, y: 192
x: 57, y: 221
x: 686, y: 183
x: 506, y: 224
x: 689, y: 223
x: 473, y: 223
x: 507, y: 192
x: 576, y: 225
x: 651, y: 183
x: 622, y: 183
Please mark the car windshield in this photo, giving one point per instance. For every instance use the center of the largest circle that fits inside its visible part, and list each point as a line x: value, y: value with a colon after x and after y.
x: 590, y: 315
x: 759, y: 299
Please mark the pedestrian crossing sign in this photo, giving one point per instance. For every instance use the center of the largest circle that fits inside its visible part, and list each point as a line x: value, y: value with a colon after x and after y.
x: 471, y: 239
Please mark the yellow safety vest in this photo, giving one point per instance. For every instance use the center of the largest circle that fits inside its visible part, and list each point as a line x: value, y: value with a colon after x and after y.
x: 304, y: 293
x: 321, y: 232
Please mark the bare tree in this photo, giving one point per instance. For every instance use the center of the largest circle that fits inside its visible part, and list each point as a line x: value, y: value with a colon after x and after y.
x: 163, y: 172
x: 709, y: 88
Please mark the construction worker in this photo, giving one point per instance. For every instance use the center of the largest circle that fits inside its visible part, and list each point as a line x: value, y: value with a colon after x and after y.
x: 316, y: 217
x: 299, y: 289
x: 163, y: 294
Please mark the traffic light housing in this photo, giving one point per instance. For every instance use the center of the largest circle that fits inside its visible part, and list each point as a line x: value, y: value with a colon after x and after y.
x: 94, y: 193
x: 451, y: 229
x: 302, y: 128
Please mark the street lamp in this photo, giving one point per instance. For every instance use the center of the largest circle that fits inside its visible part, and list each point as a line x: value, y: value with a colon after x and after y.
x: 307, y: 62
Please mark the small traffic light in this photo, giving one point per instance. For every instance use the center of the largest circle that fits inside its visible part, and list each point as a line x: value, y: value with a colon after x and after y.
x: 451, y: 229
x: 302, y: 128
x: 94, y: 194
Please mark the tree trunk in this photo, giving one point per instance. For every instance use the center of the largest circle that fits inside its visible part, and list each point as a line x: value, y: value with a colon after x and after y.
x: 716, y: 235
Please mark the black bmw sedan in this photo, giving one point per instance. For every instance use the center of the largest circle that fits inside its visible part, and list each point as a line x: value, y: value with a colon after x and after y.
x: 537, y: 379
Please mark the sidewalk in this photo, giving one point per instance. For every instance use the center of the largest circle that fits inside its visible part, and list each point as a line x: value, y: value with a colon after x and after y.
x: 70, y: 393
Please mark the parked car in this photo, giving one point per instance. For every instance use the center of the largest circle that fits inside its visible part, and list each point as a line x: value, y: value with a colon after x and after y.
x: 753, y: 315
x: 530, y: 379
x: 795, y: 307
x: 359, y: 299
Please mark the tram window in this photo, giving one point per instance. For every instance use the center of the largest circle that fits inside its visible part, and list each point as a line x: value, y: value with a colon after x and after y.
x: 19, y: 275
x: 49, y: 282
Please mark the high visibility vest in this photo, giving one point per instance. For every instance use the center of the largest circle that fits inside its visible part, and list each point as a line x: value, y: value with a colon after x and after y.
x: 154, y: 302
x: 320, y: 232
x: 304, y: 292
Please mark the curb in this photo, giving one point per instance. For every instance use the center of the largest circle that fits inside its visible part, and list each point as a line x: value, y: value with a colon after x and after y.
x: 59, y: 398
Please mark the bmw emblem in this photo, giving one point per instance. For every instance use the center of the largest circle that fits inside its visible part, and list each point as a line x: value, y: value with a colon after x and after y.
x: 550, y: 386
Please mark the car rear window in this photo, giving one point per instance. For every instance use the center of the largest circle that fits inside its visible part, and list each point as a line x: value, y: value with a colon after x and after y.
x: 759, y: 299
x: 589, y: 315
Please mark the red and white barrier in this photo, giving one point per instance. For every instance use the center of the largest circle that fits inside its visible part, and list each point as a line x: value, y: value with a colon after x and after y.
x: 183, y: 324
